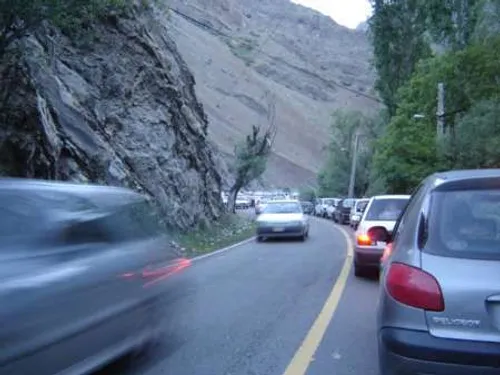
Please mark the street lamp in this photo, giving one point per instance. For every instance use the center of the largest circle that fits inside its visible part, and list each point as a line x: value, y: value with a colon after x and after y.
x: 352, y: 179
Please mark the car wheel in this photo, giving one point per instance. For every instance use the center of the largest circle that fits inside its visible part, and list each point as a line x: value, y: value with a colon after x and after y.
x: 303, y: 237
x: 260, y: 239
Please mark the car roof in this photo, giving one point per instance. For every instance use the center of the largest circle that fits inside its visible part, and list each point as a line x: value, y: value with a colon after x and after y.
x: 463, y: 174
x: 284, y: 201
x: 393, y: 196
x: 101, y: 195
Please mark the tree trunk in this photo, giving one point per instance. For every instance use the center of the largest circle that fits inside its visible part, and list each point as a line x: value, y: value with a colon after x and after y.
x: 231, y: 199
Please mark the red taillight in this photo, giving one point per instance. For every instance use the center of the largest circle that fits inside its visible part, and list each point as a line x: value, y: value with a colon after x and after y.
x: 413, y: 287
x: 364, y: 240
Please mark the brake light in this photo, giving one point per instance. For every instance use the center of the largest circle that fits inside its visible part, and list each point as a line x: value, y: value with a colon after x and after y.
x: 364, y: 240
x: 413, y: 287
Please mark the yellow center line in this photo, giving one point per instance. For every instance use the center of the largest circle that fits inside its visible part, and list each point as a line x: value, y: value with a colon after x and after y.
x: 304, y: 355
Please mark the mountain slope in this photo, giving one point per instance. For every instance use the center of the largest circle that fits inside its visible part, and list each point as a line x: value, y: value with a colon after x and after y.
x: 253, y: 58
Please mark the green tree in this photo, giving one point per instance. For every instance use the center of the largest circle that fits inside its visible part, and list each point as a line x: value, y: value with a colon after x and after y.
x: 333, y: 179
x: 408, y: 150
x: 476, y: 142
x: 20, y: 17
x: 398, y: 37
x: 250, y: 161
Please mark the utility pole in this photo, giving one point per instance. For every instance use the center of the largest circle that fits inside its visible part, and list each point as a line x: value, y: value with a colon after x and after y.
x: 352, y: 179
x: 440, y: 111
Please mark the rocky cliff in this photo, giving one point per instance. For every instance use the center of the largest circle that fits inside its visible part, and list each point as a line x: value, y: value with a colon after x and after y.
x: 250, y: 58
x: 116, y: 107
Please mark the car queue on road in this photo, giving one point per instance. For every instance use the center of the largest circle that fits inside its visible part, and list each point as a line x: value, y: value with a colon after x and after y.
x: 438, y: 255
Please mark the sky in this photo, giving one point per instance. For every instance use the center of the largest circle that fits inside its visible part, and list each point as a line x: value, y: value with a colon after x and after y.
x: 349, y: 13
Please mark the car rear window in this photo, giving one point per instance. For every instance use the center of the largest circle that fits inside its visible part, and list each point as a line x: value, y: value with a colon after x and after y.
x: 348, y: 203
x: 387, y: 209
x: 283, y: 208
x: 464, y: 224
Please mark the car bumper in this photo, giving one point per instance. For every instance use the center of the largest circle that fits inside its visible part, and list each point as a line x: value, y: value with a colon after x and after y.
x: 368, y: 256
x: 410, y: 352
x: 284, y: 231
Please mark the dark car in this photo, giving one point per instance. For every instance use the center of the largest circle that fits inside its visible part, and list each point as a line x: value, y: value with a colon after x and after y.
x: 343, y: 210
x: 439, y: 300
x: 85, y: 273
x: 307, y: 207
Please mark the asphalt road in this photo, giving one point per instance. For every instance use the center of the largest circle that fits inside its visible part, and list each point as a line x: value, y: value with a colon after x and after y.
x: 250, y: 309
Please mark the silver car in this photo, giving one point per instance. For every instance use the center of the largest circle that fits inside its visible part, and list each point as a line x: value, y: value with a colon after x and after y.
x: 381, y: 211
x: 282, y: 218
x: 83, y: 276
x: 439, y: 303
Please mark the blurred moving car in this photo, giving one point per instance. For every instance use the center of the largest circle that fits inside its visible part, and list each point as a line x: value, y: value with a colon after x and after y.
x: 83, y: 275
x: 381, y: 211
x: 282, y: 218
x: 307, y: 207
x: 357, y: 212
x: 439, y: 304
x: 343, y: 210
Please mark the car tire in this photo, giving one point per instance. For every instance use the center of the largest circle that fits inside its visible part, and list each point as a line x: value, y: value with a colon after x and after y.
x: 259, y: 239
x: 303, y: 237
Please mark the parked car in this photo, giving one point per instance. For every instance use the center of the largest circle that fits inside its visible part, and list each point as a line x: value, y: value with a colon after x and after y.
x: 381, y: 211
x: 439, y: 304
x: 332, y: 207
x: 283, y: 218
x: 343, y: 210
x: 242, y: 203
x: 307, y: 207
x: 84, y: 274
x: 357, y: 212
x: 321, y: 205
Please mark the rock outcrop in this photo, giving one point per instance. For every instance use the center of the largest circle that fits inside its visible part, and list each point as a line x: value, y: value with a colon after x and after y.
x: 115, y: 107
x: 245, y: 54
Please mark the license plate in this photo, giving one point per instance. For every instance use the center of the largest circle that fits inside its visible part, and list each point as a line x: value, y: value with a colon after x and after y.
x: 381, y: 243
x: 278, y: 229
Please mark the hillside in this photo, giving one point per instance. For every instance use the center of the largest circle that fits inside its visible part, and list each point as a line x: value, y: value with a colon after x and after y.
x: 249, y: 57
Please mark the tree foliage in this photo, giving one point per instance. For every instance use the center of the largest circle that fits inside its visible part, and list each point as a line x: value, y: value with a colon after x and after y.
x: 20, y: 17
x: 333, y: 178
x: 408, y: 151
x: 250, y: 160
x: 398, y: 36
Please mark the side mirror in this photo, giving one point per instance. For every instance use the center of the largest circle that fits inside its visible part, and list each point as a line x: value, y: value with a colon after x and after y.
x: 379, y: 234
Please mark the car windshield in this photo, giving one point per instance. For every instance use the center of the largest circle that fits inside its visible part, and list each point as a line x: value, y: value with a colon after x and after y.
x: 465, y: 224
x: 387, y: 209
x: 283, y: 208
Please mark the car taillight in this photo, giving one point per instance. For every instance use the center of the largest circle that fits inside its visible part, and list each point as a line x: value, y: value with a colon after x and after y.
x: 364, y: 240
x: 413, y: 287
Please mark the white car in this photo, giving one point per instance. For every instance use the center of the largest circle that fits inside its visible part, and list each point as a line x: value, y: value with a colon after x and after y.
x: 282, y: 218
x: 381, y: 211
x: 357, y: 212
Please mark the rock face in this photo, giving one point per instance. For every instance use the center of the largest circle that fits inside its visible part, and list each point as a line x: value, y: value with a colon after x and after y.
x: 247, y: 55
x: 117, y: 108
